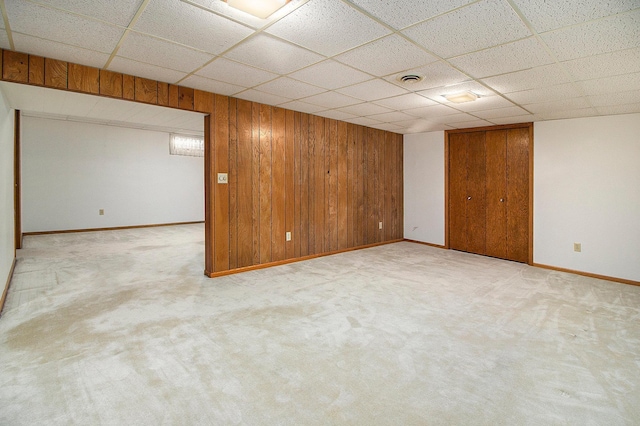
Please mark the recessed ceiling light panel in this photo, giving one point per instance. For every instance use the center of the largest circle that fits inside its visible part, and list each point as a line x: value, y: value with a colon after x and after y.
x: 459, y: 98
x: 259, y: 8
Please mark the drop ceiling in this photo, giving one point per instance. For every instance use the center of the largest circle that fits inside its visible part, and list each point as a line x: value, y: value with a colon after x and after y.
x: 528, y: 60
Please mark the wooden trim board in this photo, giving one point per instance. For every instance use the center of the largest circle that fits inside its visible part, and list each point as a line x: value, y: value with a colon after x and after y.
x: 297, y: 259
x: 114, y: 228
x: 7, y: 284
x: 587, y: 274
x: 426, y: 244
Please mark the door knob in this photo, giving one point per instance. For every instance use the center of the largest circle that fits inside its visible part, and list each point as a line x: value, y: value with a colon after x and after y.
x: 502, y: 200
x: 468, y: 198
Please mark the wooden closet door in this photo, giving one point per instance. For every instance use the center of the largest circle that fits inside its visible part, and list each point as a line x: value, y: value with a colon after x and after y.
x: 518, y: 194
x: 496, y: 143
x: 476, y: 193
x: 458, y: 159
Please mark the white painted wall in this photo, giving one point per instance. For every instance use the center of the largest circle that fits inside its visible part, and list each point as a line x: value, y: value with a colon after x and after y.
x: 7, y: 241
x: 424, y: 187
x: 587, y: 190
x: 71, y: 170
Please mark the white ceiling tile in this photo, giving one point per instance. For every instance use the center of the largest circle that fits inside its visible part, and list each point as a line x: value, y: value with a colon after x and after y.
x: 186, y: 24
x: 612, y: 99
x: 513, y: 120
x: 223, y: 9
x: 213, y: 86
x: 330, y: 75
x: 51, y: 24
x: 519, y: 55
x: 566, y: 113
x: 290, y: 88
x: 547, y: 15
x: 327, y: 27
x: 331, y: 100
x: 492, y: 114
x: 557, y: 106
x: 139, y: 69
x: 389, y: 127
x: 605, y: 65
x: 55, y: 50
x: 478, y: 26
x: 335, y: 114
x: 459, y: 117
x: 365, y: 109
x: 602, y: 36
x: 618, y: 83
x: 302, y: 107
x: 436, y: 74
x: 418, y: 125
x: 619, y: 109
x: 533, y: 78
x: 409, y: 100
x: 402, y: 13
x: 482, y: 103
x: 472, y: 123
x: 158, y: 52
x: 273, y: 55
x: 545, y: 94
x: 386, y: 56
x: 372, y: 90
x: 432, y: 111
x: 390, y: 117
x: 118, y: 12
x: 262, y: 97
x: 235, y: 73
x: 363, y: 121
x: 4, y: 40
x: 437, y: 94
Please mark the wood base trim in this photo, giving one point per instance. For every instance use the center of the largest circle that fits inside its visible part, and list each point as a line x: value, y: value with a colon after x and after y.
x: 426, y: 244
x: 115, y: 228
x: 587, y: 274
x: 7, y: 284
x: 293, y: 260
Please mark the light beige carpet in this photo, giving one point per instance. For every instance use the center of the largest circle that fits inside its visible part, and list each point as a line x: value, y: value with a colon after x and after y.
x: 122, y: 328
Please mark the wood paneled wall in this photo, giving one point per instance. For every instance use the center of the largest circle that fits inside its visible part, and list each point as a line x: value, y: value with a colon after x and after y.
x: 328, y: 182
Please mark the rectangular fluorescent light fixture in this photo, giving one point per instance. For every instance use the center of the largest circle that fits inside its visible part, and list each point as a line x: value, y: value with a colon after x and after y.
x: 259, y: 8
x: 459, y: 98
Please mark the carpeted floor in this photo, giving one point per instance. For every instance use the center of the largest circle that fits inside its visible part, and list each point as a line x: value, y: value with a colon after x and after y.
x: 122, y: 328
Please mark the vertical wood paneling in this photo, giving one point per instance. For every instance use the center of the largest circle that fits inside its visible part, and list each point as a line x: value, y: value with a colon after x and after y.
x: 305, y: 147
x: 202, y: 101
x: 173, y: 96
x: 84, y: 79
x: 311, y: 134
x: 255, y: 180
x: 55, y: 73
x: 342, y: 182
x: 332, y: 158
x: 319, y: 201
x: 163, y: 94
x: 360, y: 229
x: 110, y: 84
x: 289, y: 195
x: 36, y: 70
x: 233, y: 181
x: 278, y: 185
x: 389, y: 210
x: 146, y: 90
x: 265, y: 183
x: 381, y: 178
x: 221, y: 192
x: 350, y: 183
x: 297, y: 176
x: 15, y: 66
x: 400, y: 177
x: 185, y: 98
x: 129, y: 87
x: 518, y: 194
x: 244, y: 206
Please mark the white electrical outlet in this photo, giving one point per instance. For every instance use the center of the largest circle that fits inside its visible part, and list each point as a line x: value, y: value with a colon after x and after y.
x: 288, y: 236
x: 223, y: 178
x: 379, y: 225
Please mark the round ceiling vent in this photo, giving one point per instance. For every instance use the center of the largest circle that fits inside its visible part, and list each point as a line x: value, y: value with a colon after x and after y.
x: 409, y: 78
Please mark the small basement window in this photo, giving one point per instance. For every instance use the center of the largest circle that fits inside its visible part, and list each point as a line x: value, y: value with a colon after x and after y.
x: 189, y: 145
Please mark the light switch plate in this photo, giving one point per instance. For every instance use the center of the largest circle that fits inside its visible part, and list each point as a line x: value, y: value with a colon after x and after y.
x: 223, y: 178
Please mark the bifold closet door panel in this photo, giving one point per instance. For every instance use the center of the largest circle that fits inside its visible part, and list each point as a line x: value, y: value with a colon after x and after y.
x: 476, y: 193
x: 458, y: 159
x: 518, y: 194
x: 496, y: 144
